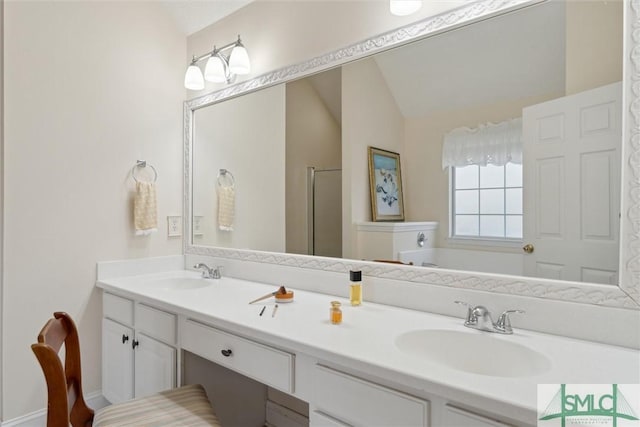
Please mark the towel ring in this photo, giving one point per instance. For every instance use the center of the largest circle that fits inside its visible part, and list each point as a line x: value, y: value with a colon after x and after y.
x: 224, y: 173
x: 143, y: 164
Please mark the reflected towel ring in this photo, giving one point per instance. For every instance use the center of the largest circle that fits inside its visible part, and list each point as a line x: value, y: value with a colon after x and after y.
x: 143, y: 164
x: 224, y: 173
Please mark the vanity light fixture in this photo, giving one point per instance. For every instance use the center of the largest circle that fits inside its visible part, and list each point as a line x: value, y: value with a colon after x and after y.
x: 404, y: 7
x: 193, y: 77
x: 220, y: 68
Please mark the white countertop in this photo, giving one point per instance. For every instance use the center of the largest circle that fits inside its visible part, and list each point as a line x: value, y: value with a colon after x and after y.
x: 365, y: 341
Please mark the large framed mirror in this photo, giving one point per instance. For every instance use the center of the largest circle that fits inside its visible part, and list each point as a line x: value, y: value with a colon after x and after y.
x: 290, y: 148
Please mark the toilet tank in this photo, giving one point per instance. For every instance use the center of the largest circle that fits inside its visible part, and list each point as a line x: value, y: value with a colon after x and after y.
x: 384, y: 240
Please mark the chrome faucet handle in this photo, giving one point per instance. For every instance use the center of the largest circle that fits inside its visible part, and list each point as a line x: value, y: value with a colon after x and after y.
x: 463, y: 303
x: 470, y: 318
x: 503, y: 324
x: 217, y: 272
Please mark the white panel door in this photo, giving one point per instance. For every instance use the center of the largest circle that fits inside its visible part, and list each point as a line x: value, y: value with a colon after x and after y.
x: 155, y: 366
x: 117, y: 361
x: 572, y: 186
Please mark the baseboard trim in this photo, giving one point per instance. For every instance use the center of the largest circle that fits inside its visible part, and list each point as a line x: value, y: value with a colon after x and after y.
x: 38, y: 418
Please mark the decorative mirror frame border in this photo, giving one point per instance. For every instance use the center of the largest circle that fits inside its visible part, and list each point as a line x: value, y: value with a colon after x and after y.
x: 626, y: 294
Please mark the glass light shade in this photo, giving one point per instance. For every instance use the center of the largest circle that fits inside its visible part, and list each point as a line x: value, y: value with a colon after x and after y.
x: 404, y: 7
x: 239, y: 61
x: 193, y: 78
x: 214, y: 70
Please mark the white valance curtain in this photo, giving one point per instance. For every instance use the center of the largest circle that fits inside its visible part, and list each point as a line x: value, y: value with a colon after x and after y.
x: 490, y: 143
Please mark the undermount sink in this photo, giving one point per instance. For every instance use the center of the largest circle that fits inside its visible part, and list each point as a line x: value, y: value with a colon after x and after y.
x: 475, y: 352
x: 181, y: 283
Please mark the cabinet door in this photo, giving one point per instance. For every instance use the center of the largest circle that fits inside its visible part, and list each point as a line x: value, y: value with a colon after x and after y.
x: 117, y: 361
x: 155, y: 366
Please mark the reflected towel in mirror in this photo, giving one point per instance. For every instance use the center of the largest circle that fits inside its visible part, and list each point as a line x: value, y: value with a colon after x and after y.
x: 145, y: 215
x: 226, y: 207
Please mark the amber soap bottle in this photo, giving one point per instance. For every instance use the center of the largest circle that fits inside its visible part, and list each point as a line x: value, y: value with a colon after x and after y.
x: 335, y: 314
x: 355, y: 290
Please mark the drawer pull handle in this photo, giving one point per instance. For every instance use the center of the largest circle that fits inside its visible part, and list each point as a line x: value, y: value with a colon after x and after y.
x: 226, y: 353
x: 125, y: 338
x: 134, y: 343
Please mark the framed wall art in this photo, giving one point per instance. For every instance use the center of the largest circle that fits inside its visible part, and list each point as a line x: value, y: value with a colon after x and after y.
x: 385, y: 182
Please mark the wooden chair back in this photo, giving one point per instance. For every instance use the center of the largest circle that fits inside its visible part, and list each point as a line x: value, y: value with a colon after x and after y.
x: 66, y: 405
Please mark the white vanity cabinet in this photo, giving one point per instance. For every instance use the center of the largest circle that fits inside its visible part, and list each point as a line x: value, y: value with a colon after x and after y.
x: 139, y: 354
x: 299, y: 352
x: 342, y: 399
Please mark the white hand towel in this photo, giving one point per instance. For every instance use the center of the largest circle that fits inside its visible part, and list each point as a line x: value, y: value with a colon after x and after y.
x: 226, y: 207
x: 145, y: 215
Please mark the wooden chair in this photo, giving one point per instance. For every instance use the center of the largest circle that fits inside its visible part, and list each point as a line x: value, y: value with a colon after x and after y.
x: 183, y: 406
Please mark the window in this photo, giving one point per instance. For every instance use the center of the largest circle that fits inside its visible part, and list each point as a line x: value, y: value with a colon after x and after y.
x: 487, y: 201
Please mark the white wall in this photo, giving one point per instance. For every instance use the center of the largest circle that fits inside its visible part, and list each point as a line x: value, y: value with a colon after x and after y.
x: 370, y: 117
x: 594, y: 44
x: 313, y: 139
x: 89, y: 88
x: 246, y: 136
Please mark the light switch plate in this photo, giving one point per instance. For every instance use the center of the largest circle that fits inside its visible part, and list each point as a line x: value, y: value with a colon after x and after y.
x: 197, y: 225
x: 174, y: 226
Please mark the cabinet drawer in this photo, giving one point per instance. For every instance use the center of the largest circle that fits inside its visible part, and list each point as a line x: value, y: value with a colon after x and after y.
x: 318, y: 419
x: 156, y: 323
x: 117, y: 308
x: 263, y: 363
x: 460, y: 418
x: 362, y: 403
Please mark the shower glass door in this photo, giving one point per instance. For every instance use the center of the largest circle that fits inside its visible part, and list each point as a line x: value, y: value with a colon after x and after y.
x: 325, y: 211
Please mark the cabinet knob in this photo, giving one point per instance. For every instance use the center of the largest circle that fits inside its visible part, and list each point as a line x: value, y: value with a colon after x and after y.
x: 125, y: 338
x: 134, y: 343
x: 226, y: 353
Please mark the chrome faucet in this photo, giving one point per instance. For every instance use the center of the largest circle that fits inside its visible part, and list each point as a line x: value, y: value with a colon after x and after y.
x: 479, y: 317
x: 209, y: 273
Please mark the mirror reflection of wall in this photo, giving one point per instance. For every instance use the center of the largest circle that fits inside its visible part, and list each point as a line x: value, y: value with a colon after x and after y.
x: 245, y: 136
x: 406, y: 100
